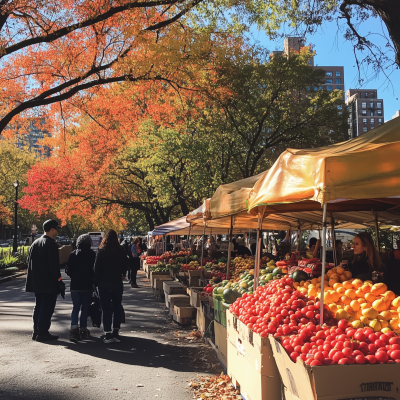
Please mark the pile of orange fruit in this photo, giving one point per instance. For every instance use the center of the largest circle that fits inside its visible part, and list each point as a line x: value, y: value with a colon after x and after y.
x: 360, y: 302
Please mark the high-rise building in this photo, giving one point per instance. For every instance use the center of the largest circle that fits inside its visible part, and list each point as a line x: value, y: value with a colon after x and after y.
x: 396, y: 115
x: 334, y: 75
x: 365, y: 111
x: 31, y: 139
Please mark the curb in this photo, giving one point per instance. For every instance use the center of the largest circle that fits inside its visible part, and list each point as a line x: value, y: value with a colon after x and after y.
x: 9, y: 278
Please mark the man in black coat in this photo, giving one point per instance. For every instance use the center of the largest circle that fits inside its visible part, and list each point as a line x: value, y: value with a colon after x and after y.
x: 44, y: 279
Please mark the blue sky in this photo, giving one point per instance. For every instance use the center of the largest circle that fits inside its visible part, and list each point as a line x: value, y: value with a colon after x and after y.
x: 332, y: 49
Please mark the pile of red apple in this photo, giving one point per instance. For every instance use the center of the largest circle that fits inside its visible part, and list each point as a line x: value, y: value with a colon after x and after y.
x: 278, y: 309
x: 343, y: 344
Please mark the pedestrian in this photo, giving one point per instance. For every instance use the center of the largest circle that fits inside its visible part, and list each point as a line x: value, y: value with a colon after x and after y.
x: 80, y: 269
x: 135, y: 261
x: 109, y: 269
x: 142, y: 245
x: 44, y: 279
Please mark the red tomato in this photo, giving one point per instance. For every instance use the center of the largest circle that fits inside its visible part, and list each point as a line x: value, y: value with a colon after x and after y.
x: 294, y: 355
x: 371, y: 359
x: 381, y: 356
x: 343, y: 324
x: 395, y: 354
x: 315, y: 363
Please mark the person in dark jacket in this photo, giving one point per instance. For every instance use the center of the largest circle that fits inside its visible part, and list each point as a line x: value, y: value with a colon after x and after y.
x: 80, y: 269
x: 143, y: 245
x: 366, y: 257
x: 242, y: 250
x: 44, y: 279
x: 135, y: 261
x: 109, y: 269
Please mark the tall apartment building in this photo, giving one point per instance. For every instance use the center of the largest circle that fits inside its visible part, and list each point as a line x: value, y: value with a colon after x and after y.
x: 31, y: 139
x: 365, y: 111
x: 334, y: 75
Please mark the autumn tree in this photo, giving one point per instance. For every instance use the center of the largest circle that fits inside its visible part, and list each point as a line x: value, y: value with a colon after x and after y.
x: 186, y: 143
x: 276, y: 103
x: 14, y: 164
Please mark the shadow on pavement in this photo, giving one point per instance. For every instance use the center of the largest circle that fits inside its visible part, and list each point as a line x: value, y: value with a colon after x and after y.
x: 132, y: 351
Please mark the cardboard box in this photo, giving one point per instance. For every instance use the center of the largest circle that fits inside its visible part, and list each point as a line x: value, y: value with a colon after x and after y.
x: 252, y: 384
x: 166, y: 300
x: 255, y: 349
x: 202, y: 321
x: 173, y: 287
x: 221, y: 341
x: 158, y: 275
x: 185, y: 312
x: 236, y: 328
x: 177, y: 299
x: 158, y: 290
x: 336, y: 382
x: 197, y: 295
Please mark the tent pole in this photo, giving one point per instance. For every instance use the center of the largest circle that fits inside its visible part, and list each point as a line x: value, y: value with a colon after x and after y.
x: 333, y: 235
x: 202, y: 251
x: 228, y: 263
x: 323, y: 249
x: 257, y: 260
x: 188, y: 244
x: 299, y: 240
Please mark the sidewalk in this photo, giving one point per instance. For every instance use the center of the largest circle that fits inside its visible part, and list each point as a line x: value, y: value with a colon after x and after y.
x: 153, y: 361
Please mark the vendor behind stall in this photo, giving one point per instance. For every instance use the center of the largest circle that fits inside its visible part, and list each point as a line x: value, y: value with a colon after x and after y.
x: 366, y: 258
x: 242, y: 250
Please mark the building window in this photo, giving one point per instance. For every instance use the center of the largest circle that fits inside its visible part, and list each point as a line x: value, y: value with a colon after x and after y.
x: 371, y: 105
x: 372, y: 127
x: 364, y: 105
x: 338, y: 73
x: 338, y: 81
x: 329, y: 81
x: 378, y: 105
x: 365, y: 129
x: 366, y: 95
x: 380, y: 121
x: 372, y: 113
x: 379, y: 112
x: 329, y: 73
x: 365, y: 120
x: 372, y: 120
x: 329, y: 88
x: 338, y: 87
x: 364, y: 112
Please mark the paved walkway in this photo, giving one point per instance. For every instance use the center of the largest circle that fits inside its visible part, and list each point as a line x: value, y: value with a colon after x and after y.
x: 154, y: 361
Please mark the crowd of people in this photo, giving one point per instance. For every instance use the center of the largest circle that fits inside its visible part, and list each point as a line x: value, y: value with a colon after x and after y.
x: 102, y: 272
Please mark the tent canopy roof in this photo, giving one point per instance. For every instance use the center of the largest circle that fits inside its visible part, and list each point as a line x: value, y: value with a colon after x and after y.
x: 365, y: 167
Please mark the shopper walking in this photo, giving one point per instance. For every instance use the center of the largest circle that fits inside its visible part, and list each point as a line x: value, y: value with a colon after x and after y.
x: 135, y: 261
x: 109, y: 268
x: 44, y: 279
x: 80, y: 269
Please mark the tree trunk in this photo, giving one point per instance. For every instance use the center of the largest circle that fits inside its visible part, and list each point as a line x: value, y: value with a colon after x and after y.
x: 389, y: 11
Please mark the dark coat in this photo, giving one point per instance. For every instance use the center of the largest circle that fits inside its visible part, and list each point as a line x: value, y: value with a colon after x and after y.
x: 109, y: 268
x: 43, y: 266
x: 243, y: 250
x: 80, y: 268
x: 360, y: 268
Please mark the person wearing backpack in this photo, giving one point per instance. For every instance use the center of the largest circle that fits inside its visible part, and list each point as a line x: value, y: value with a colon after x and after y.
x: 109, y: 269
x: 80, y: 269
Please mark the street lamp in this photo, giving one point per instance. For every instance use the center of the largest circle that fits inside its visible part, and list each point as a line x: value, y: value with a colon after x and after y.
x: 15, y: 242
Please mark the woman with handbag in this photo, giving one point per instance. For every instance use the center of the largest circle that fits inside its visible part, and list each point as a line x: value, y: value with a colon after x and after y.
x: 109, y: 269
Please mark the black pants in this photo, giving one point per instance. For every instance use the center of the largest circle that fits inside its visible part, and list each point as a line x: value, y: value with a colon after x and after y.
x: 132, y: 278
x: 43, y: 311
x: 111, y: 298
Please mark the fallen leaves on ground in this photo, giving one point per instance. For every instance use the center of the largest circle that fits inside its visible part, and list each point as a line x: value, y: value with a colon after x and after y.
x: 214, y: 387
